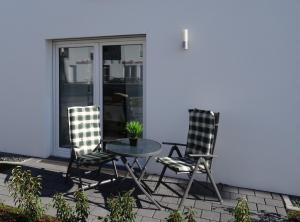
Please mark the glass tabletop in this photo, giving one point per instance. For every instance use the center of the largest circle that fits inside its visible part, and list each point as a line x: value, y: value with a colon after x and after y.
x: 144, y: 148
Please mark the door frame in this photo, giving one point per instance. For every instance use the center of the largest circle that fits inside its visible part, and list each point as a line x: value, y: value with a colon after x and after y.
x: 97, y: 44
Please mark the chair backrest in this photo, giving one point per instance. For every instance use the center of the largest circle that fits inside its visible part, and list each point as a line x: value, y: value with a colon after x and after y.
x: 203, y: 128
x: 84, y: 128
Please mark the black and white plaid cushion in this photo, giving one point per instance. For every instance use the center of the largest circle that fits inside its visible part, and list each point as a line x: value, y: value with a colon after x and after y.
x: 84, y: 128
x: 181, y: 164
x: 201, y: 132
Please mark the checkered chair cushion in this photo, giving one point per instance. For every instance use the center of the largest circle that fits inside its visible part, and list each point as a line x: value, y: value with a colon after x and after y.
x: 180, y: 164
x: 95, y: 158
x: 201, y: 132
x: 84, y: 129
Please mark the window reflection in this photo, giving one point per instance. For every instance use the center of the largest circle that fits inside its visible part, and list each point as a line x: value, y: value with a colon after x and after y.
x: 122, y: 88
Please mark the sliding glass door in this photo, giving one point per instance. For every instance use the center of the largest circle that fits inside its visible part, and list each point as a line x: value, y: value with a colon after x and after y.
x: 122, y: 88
x: 105, y: 73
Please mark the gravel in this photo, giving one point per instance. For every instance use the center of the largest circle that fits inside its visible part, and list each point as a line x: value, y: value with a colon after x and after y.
x: 10, y: 157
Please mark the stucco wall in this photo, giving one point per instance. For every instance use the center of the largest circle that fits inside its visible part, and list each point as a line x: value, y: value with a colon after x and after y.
x: 243, y: 61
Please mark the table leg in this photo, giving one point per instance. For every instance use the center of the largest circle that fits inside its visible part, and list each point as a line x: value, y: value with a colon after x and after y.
x: 137, y: 181
x: 143, y: 170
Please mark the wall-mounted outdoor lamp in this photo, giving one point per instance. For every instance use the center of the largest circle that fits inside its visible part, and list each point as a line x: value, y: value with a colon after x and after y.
x: 185, y: 38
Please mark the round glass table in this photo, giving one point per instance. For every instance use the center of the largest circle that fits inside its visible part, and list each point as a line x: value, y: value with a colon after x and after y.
x: 145, y: 148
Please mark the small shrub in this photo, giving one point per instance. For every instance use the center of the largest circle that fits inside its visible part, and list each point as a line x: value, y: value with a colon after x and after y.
x: 175, y: 216
x: 82, y: 206
x: 241, y: 211
x: 121, y: 209
x: 134, y: 129
x: 66, y: 213
x: 190, y: 215
x: 26, y: 190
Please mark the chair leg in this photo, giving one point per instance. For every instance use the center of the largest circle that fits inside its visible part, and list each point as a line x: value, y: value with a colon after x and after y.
x: 115, y: 169
x: 213, y: 183
x: 80, y: 177
x: 160, y: 177
x: 69, y: 169
x: 188, y: 188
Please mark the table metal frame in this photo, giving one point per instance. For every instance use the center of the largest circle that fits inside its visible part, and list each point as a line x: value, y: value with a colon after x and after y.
x: 139, y: 179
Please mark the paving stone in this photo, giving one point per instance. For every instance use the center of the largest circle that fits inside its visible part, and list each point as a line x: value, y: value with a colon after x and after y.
x: 145, y: 212
x: 173, y: 206
x: 263, y: 194
x: 161, y: 214
x: 149, y: 219
x: 202, y: 220
x: 210, y: 215
x: 138, y: 218
x: 276, y: 196
x: 99, y: 211
x: 252, y: 207
x: 226, y: 217
x: 255, y: 199
x: 230, y: 189
x: 273, y: 202
x: 173, y: 200
x: 246, y: 191
x: 266, y: 208
x: 281, y: 211
x: 189, y: 203
x: 204, y: 205
x: 221, y: 208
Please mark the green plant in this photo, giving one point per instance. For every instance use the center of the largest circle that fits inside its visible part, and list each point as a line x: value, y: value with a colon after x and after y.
x: 134, y: 129
x: 241, y: 211
x: 26, y: 190
x: 293, y: 215
x: 82, y: 206
x: 121, y: 208
x: 175, y: 216
x: 66, y: 213
x: 190, y: 215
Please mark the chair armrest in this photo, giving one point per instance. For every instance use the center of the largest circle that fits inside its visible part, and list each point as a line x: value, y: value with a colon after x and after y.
x: 175, y: 147
x: 174, y: 144
x: 205, y: 156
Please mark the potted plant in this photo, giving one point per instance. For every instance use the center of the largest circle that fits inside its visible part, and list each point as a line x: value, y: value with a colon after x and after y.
x: 134, y: 130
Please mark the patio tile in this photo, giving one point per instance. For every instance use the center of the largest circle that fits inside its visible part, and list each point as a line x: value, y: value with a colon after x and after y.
x: 99, y: 211
x: 246, y: 191
x: 255, y: 199
x: 149, y: 219
x: 230, y: 189
x: 138, y: 218
x: 161, y: 214
x: 281, y: 211
x: 252, y: 207
x: 204, y: 205
x: 146, y: 212
x: 276, y: 203
x: 202, y: 220
x: 263, y: 194
x: 168, y: 200
x: 226, y: 217
x: 276, y: 196
x: 188, y: 203
x: 221, y: 209
x: 266, y: 208
x: 210, y: 215
x: 205, y: 202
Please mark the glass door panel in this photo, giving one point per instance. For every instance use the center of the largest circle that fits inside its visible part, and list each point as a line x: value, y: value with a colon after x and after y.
x: 122, y: 88
x: 75, y: 84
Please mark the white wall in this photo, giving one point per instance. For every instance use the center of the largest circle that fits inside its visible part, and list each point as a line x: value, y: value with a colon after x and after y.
x: 243, y: 61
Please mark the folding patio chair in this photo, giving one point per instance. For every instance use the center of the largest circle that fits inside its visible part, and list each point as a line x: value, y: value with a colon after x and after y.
x: 202, y: 135
x: 85, y: 137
